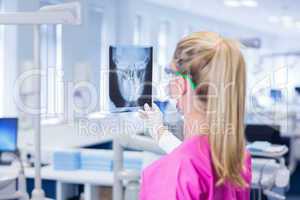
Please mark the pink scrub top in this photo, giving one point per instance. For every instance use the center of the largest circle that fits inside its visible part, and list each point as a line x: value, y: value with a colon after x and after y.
x: 187, y: 174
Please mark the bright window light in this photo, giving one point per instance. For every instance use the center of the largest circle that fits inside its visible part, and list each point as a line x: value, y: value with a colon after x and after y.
x: 232, y: 3
x: 162, y: 54
x: 286, y: 19
x: 2, y: 70
x: 239, y: 3
x: 104, y: 43
x: 288, y: 24
x: 249, y: 3
x: 52, y: 83
x: 163, y: 43
x: 59, y: 68
x: 274, y: 19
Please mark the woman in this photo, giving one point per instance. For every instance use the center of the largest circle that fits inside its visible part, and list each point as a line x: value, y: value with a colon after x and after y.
x: 212, y: 162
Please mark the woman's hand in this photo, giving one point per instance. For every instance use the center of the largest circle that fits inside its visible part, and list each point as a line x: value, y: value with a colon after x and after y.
x: 153, y: 119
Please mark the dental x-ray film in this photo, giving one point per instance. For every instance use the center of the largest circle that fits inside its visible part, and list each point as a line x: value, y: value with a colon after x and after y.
x: 130, y: 77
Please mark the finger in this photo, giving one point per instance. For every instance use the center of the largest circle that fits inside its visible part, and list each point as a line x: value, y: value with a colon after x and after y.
x: 142, y: 114
x: 147, y: 107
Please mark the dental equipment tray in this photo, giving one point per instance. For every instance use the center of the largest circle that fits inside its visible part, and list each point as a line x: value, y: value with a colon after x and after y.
x: 278, y: 151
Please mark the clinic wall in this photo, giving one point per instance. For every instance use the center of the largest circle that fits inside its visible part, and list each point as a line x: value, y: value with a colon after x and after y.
x: 287, y: 44
x: 10, y: 63
x: 117, y: 27
x: 153, y: 15
x: 81, y: 54
x: 180, y: 20
x: 14, y: 57
x: 83, y: 57
x: 79, y: 48
x: 81, y: 45
x: 86, y: 46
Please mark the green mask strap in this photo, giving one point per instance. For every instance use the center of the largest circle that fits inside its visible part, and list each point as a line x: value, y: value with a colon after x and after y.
x: 188, y: 78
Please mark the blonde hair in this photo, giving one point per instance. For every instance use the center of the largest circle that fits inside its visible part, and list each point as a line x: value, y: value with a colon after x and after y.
x: 216, y: 64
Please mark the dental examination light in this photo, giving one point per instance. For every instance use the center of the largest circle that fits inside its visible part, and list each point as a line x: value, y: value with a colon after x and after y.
x: 66, y: 13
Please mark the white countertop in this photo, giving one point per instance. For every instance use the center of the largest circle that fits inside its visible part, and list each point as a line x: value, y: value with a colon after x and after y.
x: 77, y: 176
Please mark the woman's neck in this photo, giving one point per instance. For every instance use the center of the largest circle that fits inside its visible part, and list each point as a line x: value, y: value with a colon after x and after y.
x: 195, y: 123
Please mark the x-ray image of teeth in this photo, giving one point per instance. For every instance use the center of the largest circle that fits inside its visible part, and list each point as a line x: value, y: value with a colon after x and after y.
x: 130, y: 77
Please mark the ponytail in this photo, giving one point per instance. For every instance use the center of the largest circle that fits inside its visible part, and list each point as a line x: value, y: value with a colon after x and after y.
x: 219, y: 62
x: 226, y: 112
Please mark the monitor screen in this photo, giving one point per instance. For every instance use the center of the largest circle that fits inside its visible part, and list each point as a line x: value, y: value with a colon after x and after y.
x: 263, y: 132
x: 8, y: 134
x: 297, y: 89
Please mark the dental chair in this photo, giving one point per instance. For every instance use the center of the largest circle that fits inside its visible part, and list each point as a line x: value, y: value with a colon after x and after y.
x: 271, y: 176
x: 9, y: 176
x: 269, y: 170
x: 126, y: 182
x: 271, y: 164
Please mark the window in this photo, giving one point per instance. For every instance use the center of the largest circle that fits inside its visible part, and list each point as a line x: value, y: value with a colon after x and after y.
x: 102, y: 24
x: 163, y: 44
x: 162, y: 57
x: 104, y: 44
x: 2, y: 70
x: 51, y: 60
x: 137, y: 30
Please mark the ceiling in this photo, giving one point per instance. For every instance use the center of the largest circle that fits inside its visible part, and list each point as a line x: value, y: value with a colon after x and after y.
x: 257, y: 18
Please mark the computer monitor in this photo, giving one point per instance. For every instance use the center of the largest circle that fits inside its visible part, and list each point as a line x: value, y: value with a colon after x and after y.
x: 297, y: 89
x: 8, y: 134
x: 263, y: 132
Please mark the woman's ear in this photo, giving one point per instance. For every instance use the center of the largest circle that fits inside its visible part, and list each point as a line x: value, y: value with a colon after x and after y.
x: 182, y: 85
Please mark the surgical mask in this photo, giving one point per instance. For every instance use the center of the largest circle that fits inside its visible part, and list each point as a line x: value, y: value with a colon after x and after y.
x: 173, y: 118
x: 173, y: 103
x: 172, y: 74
